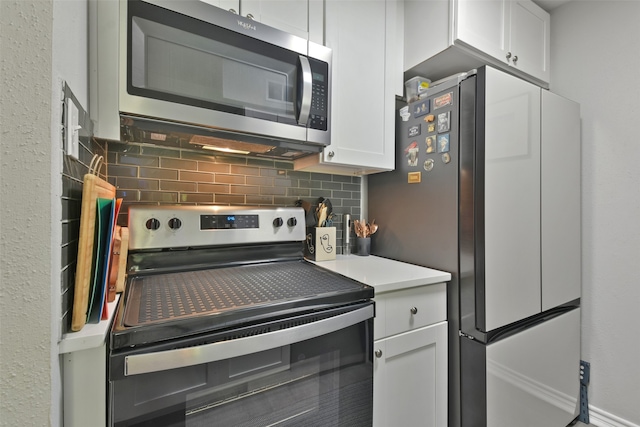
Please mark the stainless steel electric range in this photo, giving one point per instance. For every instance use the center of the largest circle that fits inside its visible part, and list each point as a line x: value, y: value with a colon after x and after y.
x: 223, y: 323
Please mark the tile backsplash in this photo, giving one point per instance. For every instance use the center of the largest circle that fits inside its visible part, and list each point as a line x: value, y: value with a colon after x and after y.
x: 145, y: 174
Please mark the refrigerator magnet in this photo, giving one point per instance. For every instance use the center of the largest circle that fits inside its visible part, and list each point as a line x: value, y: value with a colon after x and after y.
x: 421, y: 108
x: 428, y: 164
x: 443, y: 143
x: 412, y: 154
x: 443, y: 100
x: 443, y: 121
x: 414, y: 130
x: 429, y: 118
x: 431, y: 144
x: 414, y: 177
x: 446, y: 157
x: 431, y: 127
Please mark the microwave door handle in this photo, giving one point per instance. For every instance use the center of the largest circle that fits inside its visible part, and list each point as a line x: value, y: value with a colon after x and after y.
x: 179, y: 358
x: 305, y: 104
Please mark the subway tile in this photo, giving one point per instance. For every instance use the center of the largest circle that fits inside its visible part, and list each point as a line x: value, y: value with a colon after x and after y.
x: 71, y: 187
x: 135, y: 183
x: 320, y: 193
x: 197, y: 155
x: 158, y: 196
x: 229, y: 179
x: 283, y: 182
x: 178, y: 164
x: 331, y: 185
x: 302, y: 183
x: 70, y: 209
x: 159, y: 152
x: 253, y: 199
x: 195, y: 176
x: 299, y: 175
x: 351, y: 187
x: 245, y: 170
x: 159, y: 173
x: 320, y: 176
x: 112, y: 180
x: 245, y: 189
x: 299, y: 192
x: 213, y: 188
x: 70, y: 230
x: 213, y: 167
x: 233, y: 199
x: 350, y: 202
x: 112, y: 158
x: 273, y: 191
x: 341, y: 194
x: 196, y: 198
x: 118, y: 147
x: 259, y: 180
x: 265, y: 163
x: 341, y: 178
x: 288, y: 166
x: 130, y: 171
x: 127, y: 159
x: 232, y: 160
x: 128, y: 195
x: 178, y: 186
x: 284, y: 201
x: 271, y: 172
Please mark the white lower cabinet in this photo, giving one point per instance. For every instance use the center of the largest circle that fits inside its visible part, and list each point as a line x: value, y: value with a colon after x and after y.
x: 410, y: 358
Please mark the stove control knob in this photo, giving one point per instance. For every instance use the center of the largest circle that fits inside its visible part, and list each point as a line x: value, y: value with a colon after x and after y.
x: 291, y: 222
x: 153, y: 224
x: 175, y: 223
x: 277, y: 222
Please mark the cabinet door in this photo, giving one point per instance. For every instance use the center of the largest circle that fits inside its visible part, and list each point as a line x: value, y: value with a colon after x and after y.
x: 410, y: 378
x: 230, y: 5
x: 529, y: 39
x: 287, y: 15
x: 483, y: 25
x: 362, y: 106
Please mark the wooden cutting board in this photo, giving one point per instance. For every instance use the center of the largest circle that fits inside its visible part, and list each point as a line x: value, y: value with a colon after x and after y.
x: 93, y: 188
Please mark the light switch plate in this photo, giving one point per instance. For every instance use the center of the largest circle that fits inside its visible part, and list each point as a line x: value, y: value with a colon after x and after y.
x: 71, y: 128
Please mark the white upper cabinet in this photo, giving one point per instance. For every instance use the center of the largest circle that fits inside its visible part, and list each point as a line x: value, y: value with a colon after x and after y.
x: 464, y: 34
x: 529, y: 39
x: 366, y: 77
x: 303, y: 18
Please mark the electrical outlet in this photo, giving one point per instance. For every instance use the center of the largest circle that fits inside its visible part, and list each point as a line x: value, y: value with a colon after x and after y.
x: 72, y: 140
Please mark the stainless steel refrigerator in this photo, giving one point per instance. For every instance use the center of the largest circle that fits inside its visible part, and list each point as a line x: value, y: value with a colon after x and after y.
x: 487, y: 187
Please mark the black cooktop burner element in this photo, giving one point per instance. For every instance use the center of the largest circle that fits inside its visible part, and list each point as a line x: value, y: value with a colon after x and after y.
x: 171, y: 296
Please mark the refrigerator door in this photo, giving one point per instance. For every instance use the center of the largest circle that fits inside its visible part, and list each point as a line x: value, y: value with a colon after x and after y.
x: 511, y: 190
x: 533, y: 376
x: 560, y: 200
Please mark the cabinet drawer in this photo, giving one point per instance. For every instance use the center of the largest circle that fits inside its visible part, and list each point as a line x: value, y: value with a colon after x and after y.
x: 409, y: 309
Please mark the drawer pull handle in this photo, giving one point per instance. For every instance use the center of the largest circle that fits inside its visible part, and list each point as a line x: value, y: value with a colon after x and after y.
x: 378, y: 353
x: 414, y: 310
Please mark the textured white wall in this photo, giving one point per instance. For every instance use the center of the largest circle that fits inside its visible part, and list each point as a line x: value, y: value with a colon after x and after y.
x: 595, y: 60
x: 25, y: 214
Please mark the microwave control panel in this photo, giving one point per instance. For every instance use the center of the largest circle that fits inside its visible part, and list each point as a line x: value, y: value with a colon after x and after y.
x: 319, y: 95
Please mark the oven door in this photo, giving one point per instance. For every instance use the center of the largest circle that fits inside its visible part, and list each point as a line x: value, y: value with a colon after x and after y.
x: 312, y: 370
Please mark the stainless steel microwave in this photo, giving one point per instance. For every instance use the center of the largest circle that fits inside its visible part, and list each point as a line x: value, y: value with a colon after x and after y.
x: 176, y: 71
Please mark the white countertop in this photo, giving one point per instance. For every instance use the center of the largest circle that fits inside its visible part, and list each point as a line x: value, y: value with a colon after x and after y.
x: 383, y: 274
x: 91, y: 335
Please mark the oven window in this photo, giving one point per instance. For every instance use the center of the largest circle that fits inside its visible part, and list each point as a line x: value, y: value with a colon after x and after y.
x: 325, y: 381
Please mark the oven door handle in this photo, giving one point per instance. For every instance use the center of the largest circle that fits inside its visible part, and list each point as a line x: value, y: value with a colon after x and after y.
x: 179, y: 358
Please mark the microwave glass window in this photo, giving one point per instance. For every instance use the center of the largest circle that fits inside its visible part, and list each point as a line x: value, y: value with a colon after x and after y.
x: 170, y: 63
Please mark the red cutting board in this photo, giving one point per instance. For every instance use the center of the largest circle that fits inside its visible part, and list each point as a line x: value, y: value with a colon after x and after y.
x: 93, y: 188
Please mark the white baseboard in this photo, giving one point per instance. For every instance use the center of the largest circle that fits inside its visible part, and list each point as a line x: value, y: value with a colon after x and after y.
x: 600, y: 418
